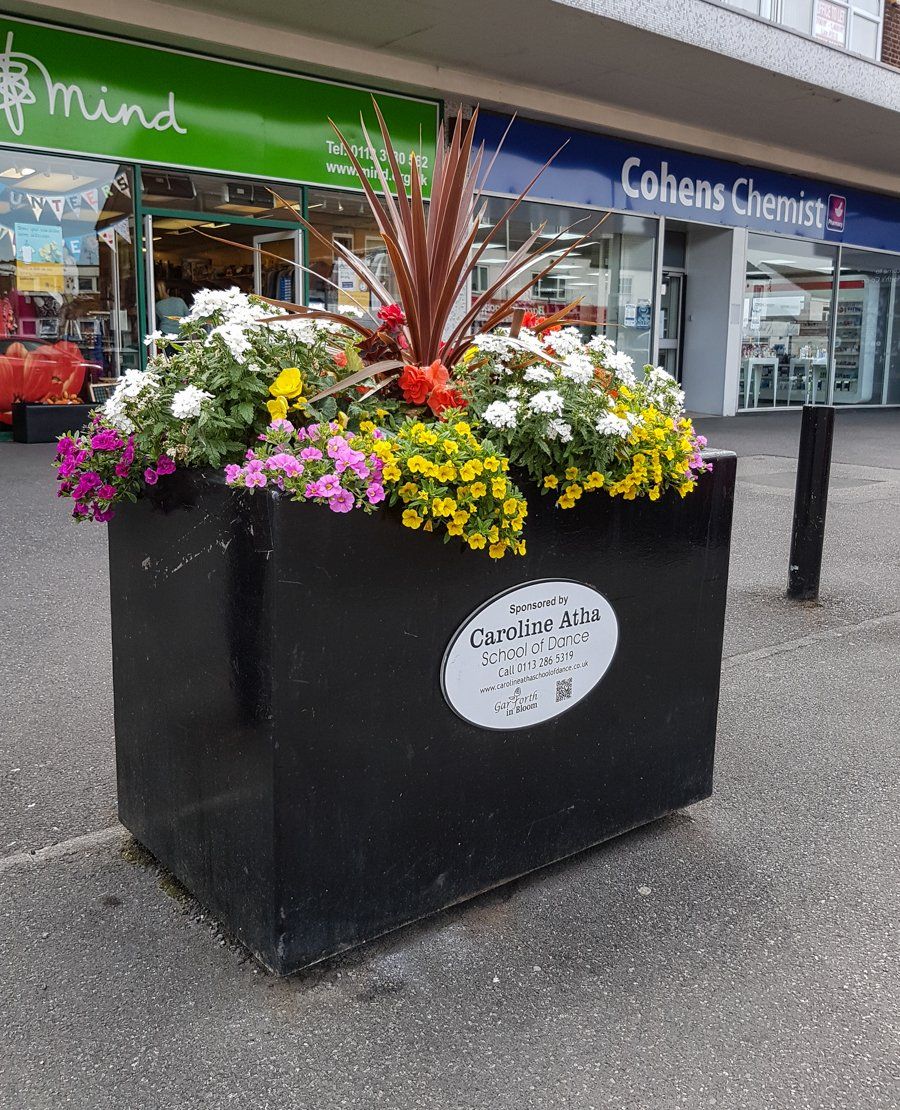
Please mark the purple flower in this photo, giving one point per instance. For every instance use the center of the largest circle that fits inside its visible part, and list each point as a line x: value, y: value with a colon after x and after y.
x: 165, y: 464
x: 375, y: 493
x: 330, y: 485
x: 281, y: 425
x: 81, y: 456
x: 80, y: 509
x: 309, y: 454
x: 232, y: 473
x: 701, y: 441
x: 336, y: 446
x: 122, y: 469
x: 106, y: 492
x: 251, y: 454
x: 150, y: 476
x: 313, y: 489
x: 103, y: 515
x: 255, y: 478
x: 254, y: 466
x: 106, y: 440
x: 342, y: 502
x: 65, y: 446
x: 66, y: 467
x: 128, y: 453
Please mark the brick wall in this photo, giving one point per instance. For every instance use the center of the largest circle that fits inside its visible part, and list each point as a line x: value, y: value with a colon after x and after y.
x: 890, y: 41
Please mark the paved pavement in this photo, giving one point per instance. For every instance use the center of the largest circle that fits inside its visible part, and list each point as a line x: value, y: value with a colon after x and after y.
x: 742, y: 954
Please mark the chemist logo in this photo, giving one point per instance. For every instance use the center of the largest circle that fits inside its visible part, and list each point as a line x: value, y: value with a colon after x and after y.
x: 837, y: 212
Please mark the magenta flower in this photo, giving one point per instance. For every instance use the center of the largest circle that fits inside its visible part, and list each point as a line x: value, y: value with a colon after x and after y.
x: 150, y: 476
x: 310, y: 454
x: 255, y: 478
x: 128, y: 453
x: 103, y: 515
x: 106, y: 492
x: 122, y: 469
x: 232, y: 473
x: 106, y: 440
x: 313, y: 489
x: 165, y: 464
x: 342, y: 502
x: 375, y: 493
x: 282, y: 425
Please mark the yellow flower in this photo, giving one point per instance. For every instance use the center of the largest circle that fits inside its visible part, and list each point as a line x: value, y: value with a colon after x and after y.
x: 411, y: 518
x: 565, y: 503
x: 428, y: 438
x: 594, y: 480
x: 654, y: 494
x: 519, y: 547
x: 497, y: 550
x: 408, y: 491
x: 446, y: 472
x: 551, y: 481
x: 460, y: 518
x: 391, y: 473
x: 479, y: 489
x: 366, y: 426
x: 461, y: 427
x: 510, y: 506
x: 477, y: 541
x: 572, y: 473
x: 492, y: 463
x: 289, y: 383
x: 573, y: 492
x: 498, y: 487
x: 450, y: 446
x: 454, y: 529
x: 493, y: 534
x: 381, y: 413
x: 277, y: 408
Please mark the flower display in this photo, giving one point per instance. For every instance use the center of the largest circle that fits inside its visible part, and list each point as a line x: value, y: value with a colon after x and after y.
x: 577, y: 417
x: 409, y: 406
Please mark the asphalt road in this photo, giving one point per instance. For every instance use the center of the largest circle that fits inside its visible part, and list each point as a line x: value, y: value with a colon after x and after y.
x: 742, y: 954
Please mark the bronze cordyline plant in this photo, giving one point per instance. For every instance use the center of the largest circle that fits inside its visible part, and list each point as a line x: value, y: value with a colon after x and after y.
x: 431, y: 246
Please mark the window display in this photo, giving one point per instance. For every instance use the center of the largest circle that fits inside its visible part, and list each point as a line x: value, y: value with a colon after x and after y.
x: 68, y: 301
x: 611, y: 274
x: 786, y: 322
x: 867, y: 339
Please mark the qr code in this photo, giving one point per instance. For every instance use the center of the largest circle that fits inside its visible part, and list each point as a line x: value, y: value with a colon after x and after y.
x: 564, y: 689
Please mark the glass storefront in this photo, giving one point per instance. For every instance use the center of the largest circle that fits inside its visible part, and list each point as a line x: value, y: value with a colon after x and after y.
x: 867, y: 342
x: 786, y: 322
x: 68, y: 291
x: 612, y: 274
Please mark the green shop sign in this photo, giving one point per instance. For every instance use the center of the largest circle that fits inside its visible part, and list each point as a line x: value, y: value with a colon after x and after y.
x: 87, y: 94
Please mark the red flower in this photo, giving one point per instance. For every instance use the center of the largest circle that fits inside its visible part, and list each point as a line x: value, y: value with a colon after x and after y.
x: 414, y: 385
x: 533, y: 321
x: 392, y: 316
x: 340, y: 359
x: 444, y: 398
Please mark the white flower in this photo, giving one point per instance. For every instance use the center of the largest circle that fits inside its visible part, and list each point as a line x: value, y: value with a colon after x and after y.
x: 501, y: 414
x: 538, y: 374
x: 152, y: 338
x: 565, y: 342
x: 513, y: 392
x: 622, y: 366
x: 492, y: 344
x: 578, y: 368
x: 663, y: 391
x: 234, y: 338
x: 611, y: 425
x: 559, y: 429
x: 548, y: 401
x: 602, y: 344
x: 187, y: 402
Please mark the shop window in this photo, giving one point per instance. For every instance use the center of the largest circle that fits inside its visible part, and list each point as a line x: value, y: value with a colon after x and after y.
x: 224, y: 197
x: 343, y: 218
x: 867, y: 336
x: 786, y: 322
x: 68, y: 301
x: 611, y: 273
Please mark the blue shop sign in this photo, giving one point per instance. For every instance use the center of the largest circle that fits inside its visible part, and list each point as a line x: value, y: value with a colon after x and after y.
x: 603, y: 172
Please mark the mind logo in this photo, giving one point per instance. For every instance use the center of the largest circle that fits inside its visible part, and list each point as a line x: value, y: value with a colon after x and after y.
x: 837, y: 212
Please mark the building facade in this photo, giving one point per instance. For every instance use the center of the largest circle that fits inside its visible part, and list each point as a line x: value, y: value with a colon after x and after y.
x: 735, y: 174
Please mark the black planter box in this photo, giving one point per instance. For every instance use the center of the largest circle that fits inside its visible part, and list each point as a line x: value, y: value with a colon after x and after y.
x: 46, y: 423
x: 283, y: 743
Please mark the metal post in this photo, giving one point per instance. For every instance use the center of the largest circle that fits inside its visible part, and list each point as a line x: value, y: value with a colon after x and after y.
x: 810, y: 502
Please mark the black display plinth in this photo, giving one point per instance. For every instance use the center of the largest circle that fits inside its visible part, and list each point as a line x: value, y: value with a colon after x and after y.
x: 35, y: 423
x: 283, y: 743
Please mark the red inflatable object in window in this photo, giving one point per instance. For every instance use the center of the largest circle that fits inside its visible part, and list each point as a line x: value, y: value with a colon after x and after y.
x: 50, y: 372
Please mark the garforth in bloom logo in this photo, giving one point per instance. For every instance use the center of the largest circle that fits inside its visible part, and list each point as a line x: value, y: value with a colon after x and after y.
x: 17, y: 95
x: 837, y: 212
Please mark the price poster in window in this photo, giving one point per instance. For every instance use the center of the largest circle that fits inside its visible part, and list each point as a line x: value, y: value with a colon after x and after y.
x: 39, y: 259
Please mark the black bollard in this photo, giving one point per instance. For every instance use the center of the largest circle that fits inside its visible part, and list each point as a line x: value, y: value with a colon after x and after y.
x: 810, y: 502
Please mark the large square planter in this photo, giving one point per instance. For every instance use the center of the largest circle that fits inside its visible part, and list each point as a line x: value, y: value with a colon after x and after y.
x: 308, y: 733
x: 36, y: 423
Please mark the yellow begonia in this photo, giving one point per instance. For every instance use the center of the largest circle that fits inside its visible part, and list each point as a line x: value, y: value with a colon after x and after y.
x: 289, y: 383
x: 278, y: 408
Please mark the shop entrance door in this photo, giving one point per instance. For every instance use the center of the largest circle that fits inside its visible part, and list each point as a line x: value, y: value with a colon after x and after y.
x: 189, y: 254
x: 275, y: 270
x: 671, y: 321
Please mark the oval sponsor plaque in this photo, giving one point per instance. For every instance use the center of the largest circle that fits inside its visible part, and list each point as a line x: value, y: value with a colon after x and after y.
x: 529, y: 654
